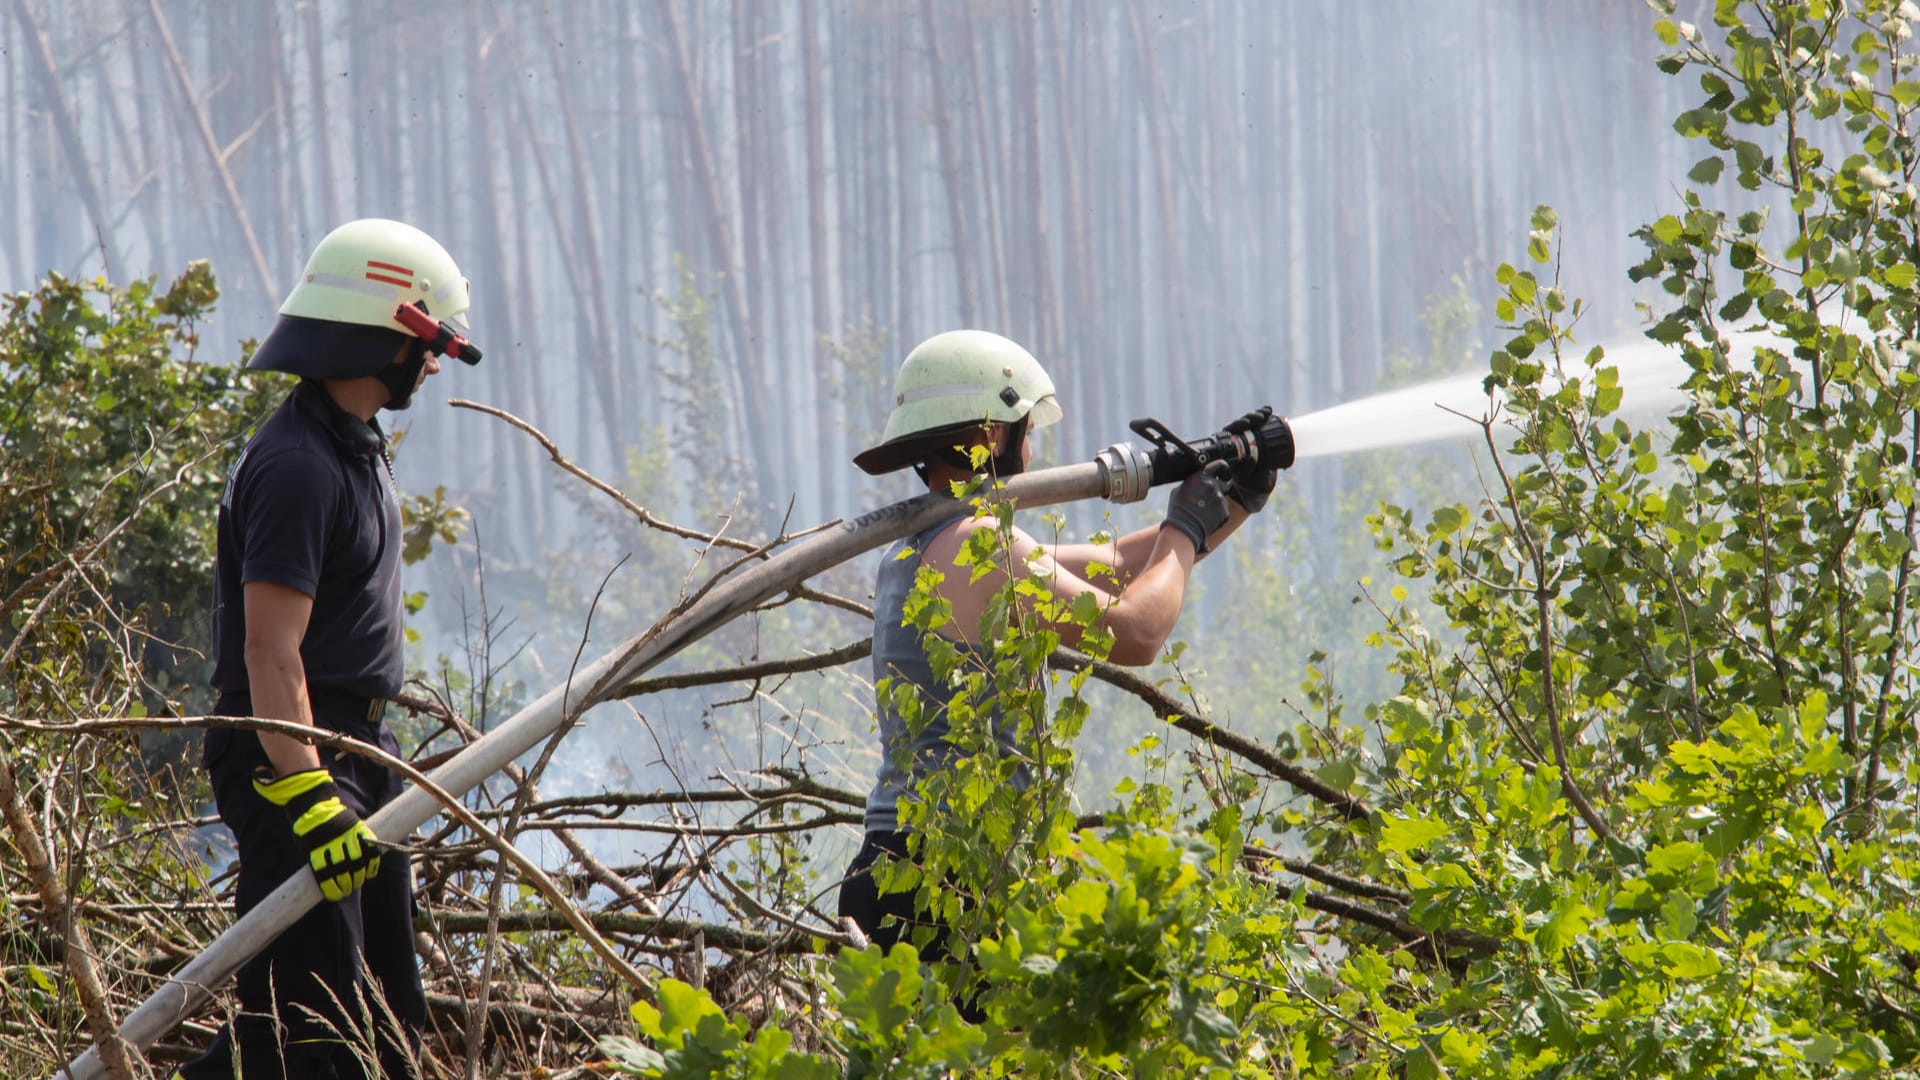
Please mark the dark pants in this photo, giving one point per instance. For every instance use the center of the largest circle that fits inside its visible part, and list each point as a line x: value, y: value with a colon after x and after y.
x: 305, y: 1006
x: 892, y: 917
x: 886, y: 918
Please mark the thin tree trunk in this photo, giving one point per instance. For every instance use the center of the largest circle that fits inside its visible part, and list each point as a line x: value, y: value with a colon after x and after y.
x: 10, y: 195
x: 1088, y: 336
x: 818, y: 257
x: 984, y: 108
x: 747, y: 137
x: 747, y: 348
x: 950, y: 168
x: 529, y: 380
x: 590, y: 281
x: 1152, y: 101
x: 216, y: 155
x: 1047, y: 327
x: 322, y: 120
x: 72, y: 146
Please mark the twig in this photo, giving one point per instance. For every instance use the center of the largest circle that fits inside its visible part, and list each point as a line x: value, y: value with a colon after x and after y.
x: 114, y: 1052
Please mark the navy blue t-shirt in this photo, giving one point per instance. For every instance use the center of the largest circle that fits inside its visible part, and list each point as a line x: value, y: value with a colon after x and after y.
x: 310, y: 505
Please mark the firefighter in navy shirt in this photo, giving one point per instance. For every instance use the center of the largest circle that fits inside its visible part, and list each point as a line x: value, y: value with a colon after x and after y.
x: 307, y: 627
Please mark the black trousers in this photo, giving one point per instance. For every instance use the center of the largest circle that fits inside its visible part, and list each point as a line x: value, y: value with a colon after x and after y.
x: 323, y: 1000
x: 886, y: 918
x: 889, y: 918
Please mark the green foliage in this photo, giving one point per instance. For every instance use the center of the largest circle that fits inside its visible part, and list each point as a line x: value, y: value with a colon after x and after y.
x: 1642, y: 793
x: 706, y: 442
x: 113, y: 445
x: 105, y: 428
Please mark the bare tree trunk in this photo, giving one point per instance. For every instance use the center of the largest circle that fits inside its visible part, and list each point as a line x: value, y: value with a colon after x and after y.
x: 216, y: 154
x: 591, y: 278
x: 747, y: 348
x: 73, y: 148
x: 282, y: 169
x: 747, y: 176
x: 950, y: 168
x: 788, y: 365
x: 10, y: 195
x: 1152, y: 103
x: 530, y: 394
x: 898, y: 121
x: 322, y: 119
x: 984, y: 110
x: 819, y: 259
x: 1047, y: 329
x: 1089, y: 343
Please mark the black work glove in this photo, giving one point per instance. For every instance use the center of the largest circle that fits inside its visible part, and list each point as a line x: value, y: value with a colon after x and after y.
x: 1198, y: 505
x: 1253, y: 481
x: 343, y: 851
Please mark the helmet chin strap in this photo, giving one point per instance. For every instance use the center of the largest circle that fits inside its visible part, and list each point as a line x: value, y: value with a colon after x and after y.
x: 401, y: 378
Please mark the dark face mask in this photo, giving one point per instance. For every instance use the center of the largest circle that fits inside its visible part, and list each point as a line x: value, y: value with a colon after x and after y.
x: 399, y: 379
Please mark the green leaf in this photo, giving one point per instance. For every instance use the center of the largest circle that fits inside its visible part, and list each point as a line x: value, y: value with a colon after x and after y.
x: 1707, y: 170
x: 1685, y: 960
x: 1906, y: 93
x: 631, y: 1057
x: 1571, y: 918
x: 1408, y: 835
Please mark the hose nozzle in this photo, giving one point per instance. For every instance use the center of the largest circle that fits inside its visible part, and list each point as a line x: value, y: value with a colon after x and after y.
x: 1128, y: 472
x: 1270, y: 442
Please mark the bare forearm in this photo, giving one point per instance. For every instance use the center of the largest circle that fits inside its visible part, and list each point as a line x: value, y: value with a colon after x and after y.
x: 279, y: 686
x: 1124, y: 557
x: 1143, y: 617
x: 1236, y: 517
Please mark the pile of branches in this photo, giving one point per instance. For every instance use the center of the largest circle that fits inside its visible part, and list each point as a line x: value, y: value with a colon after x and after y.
x: 528, y: 964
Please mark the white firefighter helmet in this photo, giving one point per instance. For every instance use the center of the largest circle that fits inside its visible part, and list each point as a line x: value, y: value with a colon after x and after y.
x: 339, y: 321
x: 953, y: 382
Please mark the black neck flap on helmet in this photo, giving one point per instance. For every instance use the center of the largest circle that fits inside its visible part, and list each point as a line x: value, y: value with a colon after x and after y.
x: 324, y: 349
x: 1008, y: 463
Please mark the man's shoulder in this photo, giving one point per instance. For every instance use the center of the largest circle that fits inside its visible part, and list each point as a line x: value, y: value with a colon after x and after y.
x: 287, y: 452
x: 945, y: 546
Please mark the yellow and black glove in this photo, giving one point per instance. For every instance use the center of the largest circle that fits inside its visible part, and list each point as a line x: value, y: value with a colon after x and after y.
x: 343, y: 851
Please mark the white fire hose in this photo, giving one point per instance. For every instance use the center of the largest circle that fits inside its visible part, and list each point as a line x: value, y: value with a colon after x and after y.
x: 1120, y: 473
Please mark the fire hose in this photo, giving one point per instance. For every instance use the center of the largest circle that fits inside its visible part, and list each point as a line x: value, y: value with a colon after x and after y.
x: 1121, y: 473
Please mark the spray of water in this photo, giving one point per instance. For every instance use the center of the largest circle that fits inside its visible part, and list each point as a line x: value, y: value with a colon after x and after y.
x: 1450, y: 407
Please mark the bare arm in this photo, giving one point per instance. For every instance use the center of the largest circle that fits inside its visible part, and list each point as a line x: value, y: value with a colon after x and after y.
x: 1141, y: 616
x: 1127, y: 556
x: 276, y: 622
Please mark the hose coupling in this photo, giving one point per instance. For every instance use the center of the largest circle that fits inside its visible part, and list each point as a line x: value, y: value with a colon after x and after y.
x: 1126, y: 472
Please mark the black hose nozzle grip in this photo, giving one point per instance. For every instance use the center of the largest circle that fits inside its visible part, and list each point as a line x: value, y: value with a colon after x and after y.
x: 1174, y: 460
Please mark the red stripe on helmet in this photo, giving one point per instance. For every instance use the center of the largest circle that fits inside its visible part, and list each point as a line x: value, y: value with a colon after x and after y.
x: 402, y: 282
x: 389, y: 266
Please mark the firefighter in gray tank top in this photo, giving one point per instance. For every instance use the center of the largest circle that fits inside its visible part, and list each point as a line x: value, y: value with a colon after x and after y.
x: 968, y: 389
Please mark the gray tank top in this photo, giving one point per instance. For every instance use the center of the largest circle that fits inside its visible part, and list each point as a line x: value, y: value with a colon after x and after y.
x: 905, y: 758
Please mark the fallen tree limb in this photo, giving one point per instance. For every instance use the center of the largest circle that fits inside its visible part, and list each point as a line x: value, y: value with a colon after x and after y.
x: 447, y: 921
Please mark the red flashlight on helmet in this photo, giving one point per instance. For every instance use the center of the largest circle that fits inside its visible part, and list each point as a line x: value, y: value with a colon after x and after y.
x: 440, y: 337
